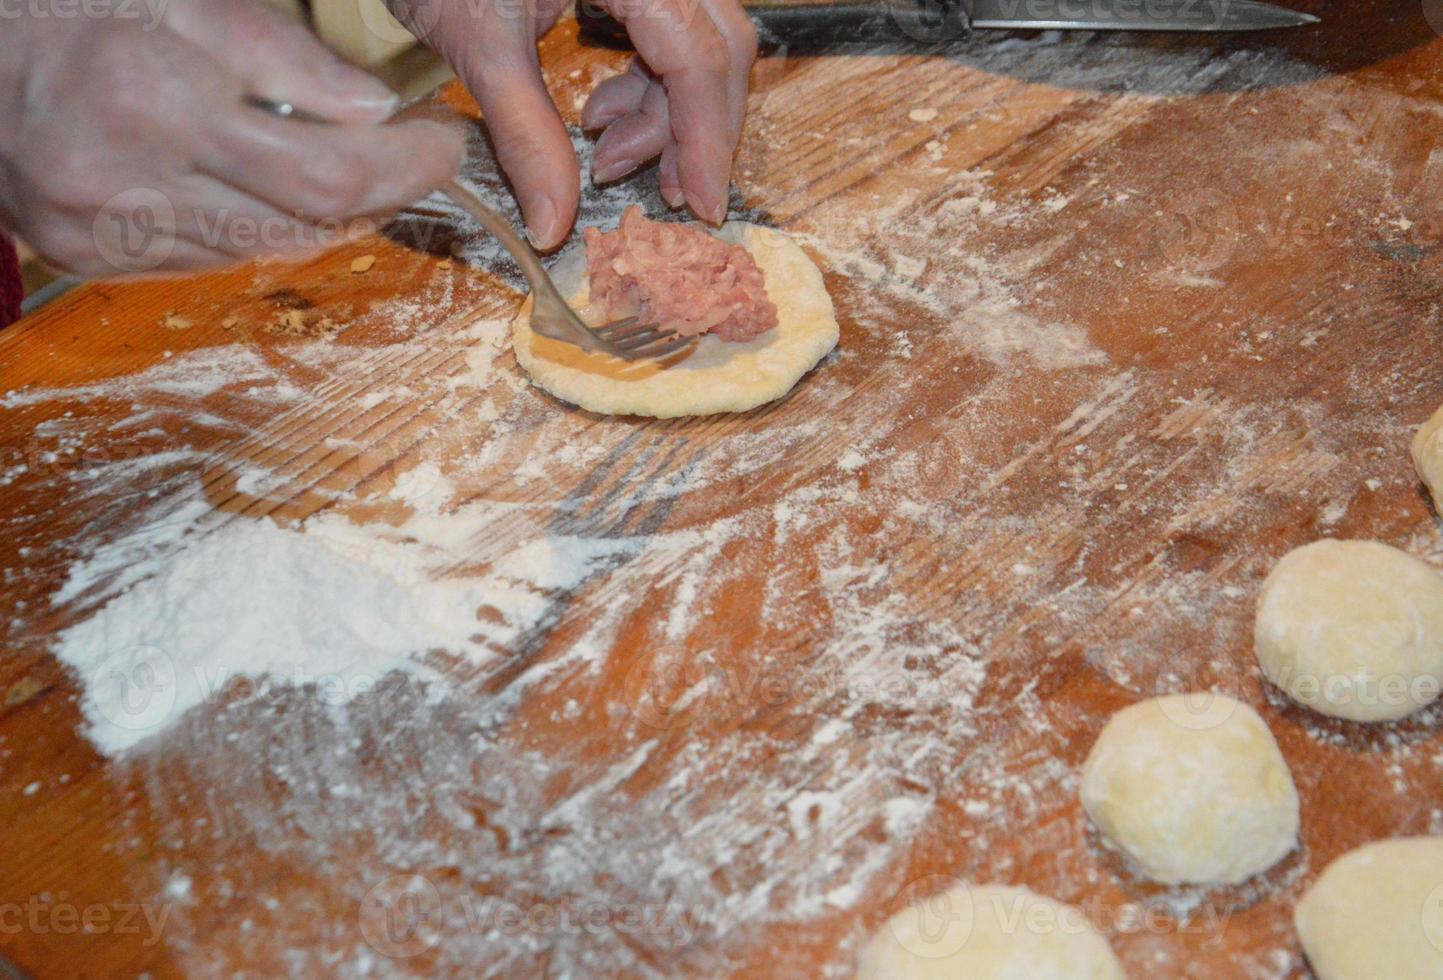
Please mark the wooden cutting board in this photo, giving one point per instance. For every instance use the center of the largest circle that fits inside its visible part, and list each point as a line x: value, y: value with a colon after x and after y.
x: 1123, y: 320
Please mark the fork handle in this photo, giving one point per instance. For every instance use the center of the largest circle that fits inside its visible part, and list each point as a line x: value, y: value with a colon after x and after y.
x: 518, y: 246
x: 515, y: 243
x: 542, y: 288
x: 498, y: 226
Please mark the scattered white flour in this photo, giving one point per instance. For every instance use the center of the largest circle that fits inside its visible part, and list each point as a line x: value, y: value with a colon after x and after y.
x: 189, y: 377
x: 423, y: 486
x: 177, y: 889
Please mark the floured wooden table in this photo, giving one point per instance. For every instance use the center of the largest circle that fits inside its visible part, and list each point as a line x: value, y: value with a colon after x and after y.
x: 1123, y: 319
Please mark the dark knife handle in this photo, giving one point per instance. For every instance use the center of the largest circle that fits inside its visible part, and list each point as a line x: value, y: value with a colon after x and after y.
x: 816, y: 25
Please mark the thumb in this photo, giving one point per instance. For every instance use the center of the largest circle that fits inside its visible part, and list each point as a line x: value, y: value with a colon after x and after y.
x: 278, y: 59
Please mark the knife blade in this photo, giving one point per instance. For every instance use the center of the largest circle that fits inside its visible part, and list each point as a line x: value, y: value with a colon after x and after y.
x: 810, y: 24
x: 1134, y: 15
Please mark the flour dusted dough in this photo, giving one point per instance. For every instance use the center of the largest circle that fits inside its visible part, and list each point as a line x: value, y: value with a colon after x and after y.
x: 1352, y: 629
x: 1377, y: 911
x: 989, y: 932
x: 1192, y: 788
x: 719, y: 376
x: 1427, y: 451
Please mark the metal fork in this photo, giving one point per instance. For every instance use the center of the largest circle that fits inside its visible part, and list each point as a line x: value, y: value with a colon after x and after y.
x: 551, y: 315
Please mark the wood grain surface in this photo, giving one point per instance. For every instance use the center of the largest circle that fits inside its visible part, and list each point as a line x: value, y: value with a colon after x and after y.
x: 1122, y: 322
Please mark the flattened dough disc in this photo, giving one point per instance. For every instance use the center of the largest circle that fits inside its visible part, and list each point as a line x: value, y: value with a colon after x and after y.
x: 719, y: 376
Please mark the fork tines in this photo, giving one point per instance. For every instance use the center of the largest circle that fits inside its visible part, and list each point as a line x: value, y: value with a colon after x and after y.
x: 636, y: 341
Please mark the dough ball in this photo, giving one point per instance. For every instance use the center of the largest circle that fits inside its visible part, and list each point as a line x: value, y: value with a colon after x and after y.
x: 992, y: 932
x: 1353, y: 629
x: 1377, y: 911
x: 720, y: 375
x: 1192, y: 788
x: 1427, y: 451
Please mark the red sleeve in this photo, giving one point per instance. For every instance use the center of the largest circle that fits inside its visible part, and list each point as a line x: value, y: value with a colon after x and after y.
x: 11, y: 289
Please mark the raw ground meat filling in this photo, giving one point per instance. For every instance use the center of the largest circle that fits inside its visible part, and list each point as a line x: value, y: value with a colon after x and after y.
x: 678, y: 276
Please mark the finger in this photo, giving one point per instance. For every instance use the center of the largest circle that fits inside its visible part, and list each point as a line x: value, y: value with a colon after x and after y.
x: 187, y: 256
x: 616, y: 97
x: 741, y: 40
x: 633, y: 139
x: 182, y: 256
x: 703, y: 150
x: 690, y: 54
x: 277, y: 58
x: 223, y: 219
x: 740, y: 37
x: 531, y: 143
x: 123, y: 238
x: 314, y: 170
x: 613, y: 99
x: 669, y: 180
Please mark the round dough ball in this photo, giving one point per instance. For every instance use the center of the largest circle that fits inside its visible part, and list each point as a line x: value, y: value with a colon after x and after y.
x: 1377, y: 911
x: 1352, y: 629
x: 719, y: 375
x: 1192, y: 788
x: 988, y: 931
x: 1427, y: 452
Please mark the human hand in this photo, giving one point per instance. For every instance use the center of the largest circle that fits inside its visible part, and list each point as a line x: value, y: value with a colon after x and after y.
x: 684, y: 98
x: 125, y: 146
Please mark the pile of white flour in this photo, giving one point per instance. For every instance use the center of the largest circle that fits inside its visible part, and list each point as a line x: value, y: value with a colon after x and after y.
x: 327, y: 604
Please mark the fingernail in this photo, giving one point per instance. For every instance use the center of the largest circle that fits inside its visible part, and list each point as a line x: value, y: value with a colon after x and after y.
x: 712, y: 213
x: 384, y: 104
x: 674, y: 198
x: 363, y: 91
x: 613, y: 170
x: 541, y: 223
